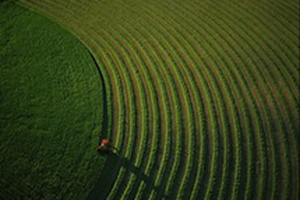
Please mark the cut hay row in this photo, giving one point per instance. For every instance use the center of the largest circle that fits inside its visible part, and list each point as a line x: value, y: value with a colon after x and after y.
x: 238, y: 51
x: 231, y: 81
x: 217, y: 97
x: 196, y: 110
x: 181, y: 94
x: 194, y: 106
x: 140, y: 149
x: 277, y: 62
x: 203, y: 95
x: 268, y: 42
x: 164, y: 159
x: 122, y: 88
x: 277, y: 113
x: 153, y: 149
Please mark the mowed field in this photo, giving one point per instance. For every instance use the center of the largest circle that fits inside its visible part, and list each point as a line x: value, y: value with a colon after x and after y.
x: 201, y: 96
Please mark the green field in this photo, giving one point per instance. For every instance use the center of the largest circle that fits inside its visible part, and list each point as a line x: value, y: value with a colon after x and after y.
x: 51, y: 109
x: 201, y: 99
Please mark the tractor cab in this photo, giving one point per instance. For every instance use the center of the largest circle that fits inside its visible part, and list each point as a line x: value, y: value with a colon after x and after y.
x: 105, y: 146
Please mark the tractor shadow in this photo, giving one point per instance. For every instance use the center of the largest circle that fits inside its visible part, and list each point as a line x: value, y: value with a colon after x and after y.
x: 115, y: 162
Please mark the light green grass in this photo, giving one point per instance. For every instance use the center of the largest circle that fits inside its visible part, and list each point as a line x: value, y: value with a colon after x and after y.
x: 51, y: 109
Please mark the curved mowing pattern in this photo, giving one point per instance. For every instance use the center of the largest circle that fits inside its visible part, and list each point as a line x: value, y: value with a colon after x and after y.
x: 203, y: 95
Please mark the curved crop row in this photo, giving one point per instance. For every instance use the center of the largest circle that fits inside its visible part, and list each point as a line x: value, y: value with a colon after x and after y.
x: 200, y: 107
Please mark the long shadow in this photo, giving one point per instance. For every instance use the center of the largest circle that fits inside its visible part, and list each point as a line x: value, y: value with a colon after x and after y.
x: 114, y: 161
x: 105, y: 181
x: 109, y: 174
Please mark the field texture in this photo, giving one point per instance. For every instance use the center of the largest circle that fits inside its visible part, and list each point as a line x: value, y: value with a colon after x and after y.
x: 202, y: 98
x: 51, y: 110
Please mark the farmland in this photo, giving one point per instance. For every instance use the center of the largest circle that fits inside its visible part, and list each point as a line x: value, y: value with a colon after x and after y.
x: 51, y: 104
x: 201, y: 97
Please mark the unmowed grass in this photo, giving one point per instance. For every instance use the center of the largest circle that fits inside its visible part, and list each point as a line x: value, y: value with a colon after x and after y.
x: 51, y: 103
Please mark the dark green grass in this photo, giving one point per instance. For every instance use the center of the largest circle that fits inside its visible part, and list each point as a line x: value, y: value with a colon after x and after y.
x: 51, y: 110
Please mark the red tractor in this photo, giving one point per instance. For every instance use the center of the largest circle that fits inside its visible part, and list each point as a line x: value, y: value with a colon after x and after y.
x: 105, y: 146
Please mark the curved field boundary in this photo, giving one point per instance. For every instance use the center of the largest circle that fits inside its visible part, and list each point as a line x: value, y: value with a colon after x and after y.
x: 202, y: 94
